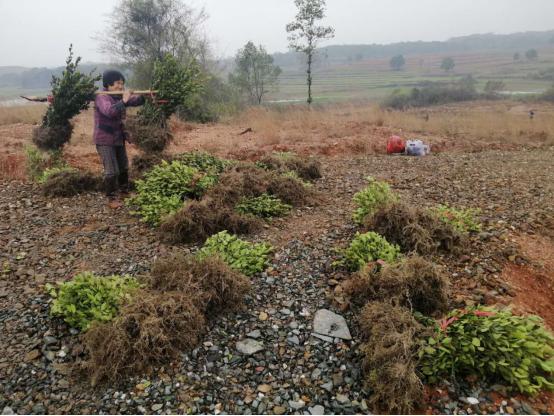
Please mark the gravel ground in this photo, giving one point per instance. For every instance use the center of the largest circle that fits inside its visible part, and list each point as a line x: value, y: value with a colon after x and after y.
x: 47, y: 240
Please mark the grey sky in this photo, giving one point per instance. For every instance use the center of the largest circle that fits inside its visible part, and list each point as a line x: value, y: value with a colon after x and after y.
x: 38, y: 32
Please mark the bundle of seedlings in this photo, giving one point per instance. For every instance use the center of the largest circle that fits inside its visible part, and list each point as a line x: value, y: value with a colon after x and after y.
x: 67, y: 182
x: 152, y: 329
x: 374, y: 196
x: 71, y: 94
x: 283, y: 162
x: 414, y: 283
x: 414, y: 229
x: 216, y: 212
x: 367, y: 248
x: 496, y: 345
x: 175, y: 85
x: 390, y: 350
x: 216, y: 287
x: 198, y: 220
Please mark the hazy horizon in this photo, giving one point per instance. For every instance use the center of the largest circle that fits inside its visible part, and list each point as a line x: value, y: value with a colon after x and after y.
x: 37, y: 34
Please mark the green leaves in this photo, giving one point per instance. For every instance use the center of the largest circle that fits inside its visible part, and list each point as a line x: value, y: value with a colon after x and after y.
x: 165, y: 187
x: 89, y: 298
x: 462, y: 220
x: 249, y: 258
x: 493, y: 344
x: 376, y: 195
x: 369, y: 247
x: 265, y: 206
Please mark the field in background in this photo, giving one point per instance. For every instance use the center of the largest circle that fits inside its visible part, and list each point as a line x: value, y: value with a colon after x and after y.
x: 373, y: 79
x: 325, y: 130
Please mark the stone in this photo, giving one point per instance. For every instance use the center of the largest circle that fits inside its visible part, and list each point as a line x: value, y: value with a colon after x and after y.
x: 157, y: 406
x: 32, y: 355
x: 330, y: 324
x: 254, y: 334
x: 322, y: 337
x: 294, y: 340
x: 342, y: 398
x: 279, y: 410
x: 472, y: 400
x: 264, y: 388
x: 296, y: 405
x: 8, y: 411
x: 263, y: 316
x: 317, y: 410
x: 249, y: 346
x: 327, y: 386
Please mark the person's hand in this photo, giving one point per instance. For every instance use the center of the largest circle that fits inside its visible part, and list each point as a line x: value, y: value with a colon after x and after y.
x: 126, y: 95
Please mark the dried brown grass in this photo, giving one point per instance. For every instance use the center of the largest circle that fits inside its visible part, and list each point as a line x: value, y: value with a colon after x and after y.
x: 213, y: 285
x: 413, y: 283
x: 28, y: 114
x: 308, y: 169
x: 414, y: 229
x: 151, y: 330
x: 148, y: 138
x: 143, y: 162
x: 198, y: 220
x: 71, y: 183
x: 390, y: 357
x: 12, y: 167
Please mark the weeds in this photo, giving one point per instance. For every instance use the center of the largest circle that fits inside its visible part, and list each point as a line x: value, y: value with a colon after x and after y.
x: 376, y: 195
x: 463, y: 220
x: 265, y: 206
x: 366, y: 248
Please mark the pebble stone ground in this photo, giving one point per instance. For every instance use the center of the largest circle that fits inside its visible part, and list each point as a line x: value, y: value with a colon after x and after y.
x: 46, y: 240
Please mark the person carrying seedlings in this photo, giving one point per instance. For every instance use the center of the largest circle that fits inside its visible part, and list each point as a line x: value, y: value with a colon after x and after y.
x: 109, y: 132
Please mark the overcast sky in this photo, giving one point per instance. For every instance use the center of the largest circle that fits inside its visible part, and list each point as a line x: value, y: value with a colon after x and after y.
x: 38, y: 32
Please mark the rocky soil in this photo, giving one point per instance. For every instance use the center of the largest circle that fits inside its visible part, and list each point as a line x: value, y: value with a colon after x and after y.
x: 266, y: 358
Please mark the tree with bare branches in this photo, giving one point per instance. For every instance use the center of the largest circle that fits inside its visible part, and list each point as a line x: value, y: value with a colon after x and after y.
x: 305, y: 34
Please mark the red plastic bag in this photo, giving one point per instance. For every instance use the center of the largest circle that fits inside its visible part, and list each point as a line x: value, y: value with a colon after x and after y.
x: 395, y: 144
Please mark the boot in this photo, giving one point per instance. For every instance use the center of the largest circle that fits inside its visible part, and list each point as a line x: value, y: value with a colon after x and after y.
x: 123, y: 180
x: 110, y: 186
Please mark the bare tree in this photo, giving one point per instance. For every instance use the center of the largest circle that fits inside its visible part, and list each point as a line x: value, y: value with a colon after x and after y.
x: 141, y: 32
x: 305, y: 34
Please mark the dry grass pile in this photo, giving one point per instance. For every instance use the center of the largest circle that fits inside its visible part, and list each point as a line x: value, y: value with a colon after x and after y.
x: 414, y: 229
x: 148, y: 138
x: 48, y: 138
x: 143, y: 162
x: 151, y: 330
x: 214, y: 286
x: 307, y: 169
x: 414, y: 283
x: 390, y: 361
x: 198, y: 220
x: 71, y: 183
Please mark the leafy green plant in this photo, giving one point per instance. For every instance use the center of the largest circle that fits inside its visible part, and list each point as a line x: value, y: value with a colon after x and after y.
x: 366, y: 248
x: 51, y: 171
x: 87, y: 298
x: 71, y: 93
x: 165, y: 187
x: 203, y: 161
x: 463, y: 220
x: 249, y: 258
x: 292, y: 174
x: 376, y: 195
x: 37, y: 161
x: 493, y: 344
x: 265, y: 206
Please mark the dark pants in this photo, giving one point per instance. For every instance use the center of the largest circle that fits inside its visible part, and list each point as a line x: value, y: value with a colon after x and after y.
x: 116, y: 167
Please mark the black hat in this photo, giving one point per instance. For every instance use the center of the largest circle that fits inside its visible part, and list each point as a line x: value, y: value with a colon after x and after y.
x: 110, y: 76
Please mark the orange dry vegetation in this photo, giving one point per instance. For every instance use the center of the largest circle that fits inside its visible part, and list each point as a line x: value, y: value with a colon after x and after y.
x: 330, y: 130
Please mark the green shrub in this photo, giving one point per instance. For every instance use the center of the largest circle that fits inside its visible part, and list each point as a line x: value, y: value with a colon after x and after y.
x: 369, y: 247
x: 48, y: 172
x: 87, y: 298
x: 38, y: 161
x: 265, y: 206
x: 204, y: 162
x: 462, y: 220
x: 376, y: 195
x: 165, y: 187
x: 249, y: 258
x: 294, y: 175
x: 494, y: 345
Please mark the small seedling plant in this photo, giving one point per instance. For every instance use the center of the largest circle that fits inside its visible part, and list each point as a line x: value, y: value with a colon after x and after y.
x: 165, y: 188
x: 494, y: 344
x: 463, y: 220
x: 265, y: 206
x: 87, y: 298
x: 374, y: 196
x: 204, y: 162
x: 248, y: 258
x: 366, y: 248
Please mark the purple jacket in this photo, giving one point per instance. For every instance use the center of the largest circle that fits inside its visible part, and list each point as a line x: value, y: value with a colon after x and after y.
x: 109, y: 114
